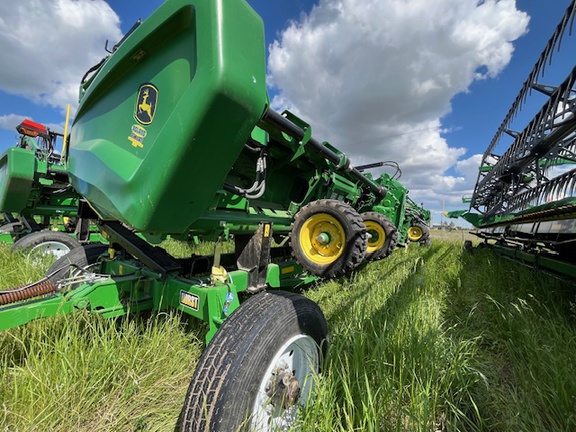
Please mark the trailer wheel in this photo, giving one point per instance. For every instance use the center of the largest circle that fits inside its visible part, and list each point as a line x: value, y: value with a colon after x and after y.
x: 383, y: 235
x: 71, y: 264
x: 416, y: 232
x: 47, y: 242
x: 259, y: 368
x: 328, y: 238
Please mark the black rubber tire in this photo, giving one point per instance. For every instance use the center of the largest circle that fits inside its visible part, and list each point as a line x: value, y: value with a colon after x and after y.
x: 355, y: 235
x: 390, y: 231
x: 426, y: 236
x: 61, y: 242
x: 224, y: 387
x: 67, y: 266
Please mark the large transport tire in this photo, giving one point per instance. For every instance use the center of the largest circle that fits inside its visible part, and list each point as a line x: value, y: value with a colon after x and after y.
x: 418, y: 232
x: 47, y: 242
x: 328, y: 238
x: 383, y: 235
x: 75, y: 262
x: 273, y: 338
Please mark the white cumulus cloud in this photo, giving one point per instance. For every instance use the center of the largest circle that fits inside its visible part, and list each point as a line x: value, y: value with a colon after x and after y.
x: 375, y: 77
x: 10, y: 121
x: 47, y: 46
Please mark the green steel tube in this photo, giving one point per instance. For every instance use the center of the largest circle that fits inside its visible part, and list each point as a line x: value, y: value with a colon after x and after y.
x: 276, y: 120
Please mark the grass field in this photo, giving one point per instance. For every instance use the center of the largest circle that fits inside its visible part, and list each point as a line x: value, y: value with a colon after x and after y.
x: 429, y: 339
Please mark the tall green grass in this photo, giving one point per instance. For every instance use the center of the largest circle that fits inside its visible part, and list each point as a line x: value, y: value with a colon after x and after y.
x: 86, y: 373
x: 395, y: 363
x: 429, y: 339
x: 19, y: 269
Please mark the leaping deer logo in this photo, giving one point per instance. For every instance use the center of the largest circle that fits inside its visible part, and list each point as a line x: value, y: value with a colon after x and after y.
x: 146, y: 104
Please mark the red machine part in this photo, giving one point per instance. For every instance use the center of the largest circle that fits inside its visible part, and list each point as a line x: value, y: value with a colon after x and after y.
x: 32, y: 129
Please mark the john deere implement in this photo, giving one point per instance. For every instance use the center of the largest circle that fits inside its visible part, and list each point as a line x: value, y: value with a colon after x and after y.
x: 410, y: 221
x: 524, y: 200
x: 174, y: 135
x: 38, y: 207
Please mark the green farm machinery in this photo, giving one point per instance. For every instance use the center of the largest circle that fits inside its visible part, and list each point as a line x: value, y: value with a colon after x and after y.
x: 418, y: 221
x: 174, y: 136
x: 523, y: 202
x: 39, y: 208
x: 411, y: 221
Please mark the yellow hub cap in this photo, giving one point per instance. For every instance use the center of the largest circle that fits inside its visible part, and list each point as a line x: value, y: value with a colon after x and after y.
x: 377, y: 236
x: 322, y: 238
x: 415, y: 233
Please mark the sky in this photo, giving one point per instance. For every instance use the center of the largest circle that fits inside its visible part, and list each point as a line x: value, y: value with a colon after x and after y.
x: 425, y: 84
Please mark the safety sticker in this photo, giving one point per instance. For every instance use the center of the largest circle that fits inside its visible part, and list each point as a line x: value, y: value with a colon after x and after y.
x: 189, y: 300
x: 137, y: 135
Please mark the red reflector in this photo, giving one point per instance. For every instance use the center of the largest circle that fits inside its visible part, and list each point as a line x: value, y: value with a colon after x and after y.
x: 32, y: 129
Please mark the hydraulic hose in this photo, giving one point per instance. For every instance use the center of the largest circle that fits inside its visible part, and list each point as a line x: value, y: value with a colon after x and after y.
x: 26, y: 292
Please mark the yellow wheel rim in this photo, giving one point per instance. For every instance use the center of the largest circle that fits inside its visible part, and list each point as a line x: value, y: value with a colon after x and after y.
x: 322, y: 239
x: 415, y: 233
x: 377, y: 236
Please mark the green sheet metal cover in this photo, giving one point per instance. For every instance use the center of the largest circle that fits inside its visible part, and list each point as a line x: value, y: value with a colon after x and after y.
x: 164, y: 119
x: 17, y: 168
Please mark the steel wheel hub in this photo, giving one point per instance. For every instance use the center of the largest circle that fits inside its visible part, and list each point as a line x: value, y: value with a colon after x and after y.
x: 56, y: 248
x: 377, y: 236
x: 286, y: 385
x: 414, y: 233
x: 322, y: 238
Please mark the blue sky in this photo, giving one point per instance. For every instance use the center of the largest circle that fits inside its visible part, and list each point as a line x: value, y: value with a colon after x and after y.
x: 423, y: 83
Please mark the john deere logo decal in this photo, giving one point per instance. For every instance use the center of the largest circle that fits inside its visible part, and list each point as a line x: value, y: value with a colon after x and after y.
x: 146, y: 104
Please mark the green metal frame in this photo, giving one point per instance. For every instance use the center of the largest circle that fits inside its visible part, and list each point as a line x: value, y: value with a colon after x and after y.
x: 538, y: 261
x: 34, y: 186
x: 127, y: 287
x: 160, y: 98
